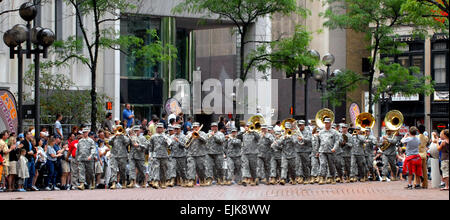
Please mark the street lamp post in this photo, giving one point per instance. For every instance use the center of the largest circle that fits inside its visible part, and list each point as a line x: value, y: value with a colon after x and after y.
x: 328, y: 61
x: 42, y: 38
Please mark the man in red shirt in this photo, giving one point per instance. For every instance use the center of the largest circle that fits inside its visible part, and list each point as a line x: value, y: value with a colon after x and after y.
x: 73, y: 142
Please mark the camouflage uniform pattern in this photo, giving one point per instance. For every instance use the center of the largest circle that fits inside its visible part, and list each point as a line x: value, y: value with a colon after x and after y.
x: 137, y: 156
x: 328, y: 140
x: 158, y: 147
x: 358, y: 161
x: 347, y: 154
x: 275, y: 162
x: 288, y: 156
x: 304, y: 149
x: 372, y: 142
x: 389, y: 156
x: 233, y: 151
x: 85, y: 156
x: 265, y: 155
x: 249, y: 154
x: 215, y: 158
x: 196, y: 157
x: 315, y: 162
x: 179, y: 155
x: 119, y: 156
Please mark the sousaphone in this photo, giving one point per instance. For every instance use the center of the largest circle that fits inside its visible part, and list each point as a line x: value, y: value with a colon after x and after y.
x: 321, y: 115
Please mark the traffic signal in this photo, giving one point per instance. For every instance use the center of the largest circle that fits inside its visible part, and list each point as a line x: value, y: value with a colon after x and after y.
x: 109, y: 106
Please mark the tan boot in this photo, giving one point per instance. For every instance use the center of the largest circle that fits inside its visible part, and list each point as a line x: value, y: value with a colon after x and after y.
x: 312, y: 180
x: 292, y: 181
x: 300, y: 180
x: 81, y: 186
x: 338, y: 179
x: 172, y: 182
x: 306, y: 181
x: 113, y: 186
x: 132, y: 184
x: 333, y: 180
x: 156, y: 184
x: 321, y: 180
x: 264, y: 181
x: 256, y: 181
x: 282, y: 182
x: 92, y: 186
x: 317, y: 179
x: 328, y: 180
x: 124, y: 185
x: 272, y: 181
x: 393, y: 179
x: 362, y: 180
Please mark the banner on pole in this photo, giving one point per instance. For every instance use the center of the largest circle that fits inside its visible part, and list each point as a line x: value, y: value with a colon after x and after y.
x: 8, y: 111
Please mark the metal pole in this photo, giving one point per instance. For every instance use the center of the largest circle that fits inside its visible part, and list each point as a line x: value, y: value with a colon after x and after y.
x: 306, y: 97
x: 294, y: 79
x: 326, y: 85
x: 20, y: 89
x: 37, y: 100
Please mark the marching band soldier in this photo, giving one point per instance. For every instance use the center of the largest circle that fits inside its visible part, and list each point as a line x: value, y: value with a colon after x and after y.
x: 346, y: 145
x: 171, y: 176
x: 249, y: 155
x: 159, y: 147
x: 328, y: 144
x: 389, y: 156
x: 338, y: 155
x: 215, y: 142
x: 179, y: 155
x: 196, y: 157
x: 315, y: 162
x: 275, y: 162
x: 234, y: 148
x: 85, y: 156
x: 288, y: 156
x: 371, y: 143
x: 119, y: 156
x: 139, y: 145
x: 358, y: 157
x: 304, y: 148
x: 264, y: 154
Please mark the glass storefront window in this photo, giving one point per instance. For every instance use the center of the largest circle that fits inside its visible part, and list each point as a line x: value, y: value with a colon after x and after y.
x: 130, y: 65
x: 404, y: 61
x: 417, y: 61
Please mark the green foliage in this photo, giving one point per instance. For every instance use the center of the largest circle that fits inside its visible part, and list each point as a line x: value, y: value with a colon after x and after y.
x: 338, y: 86
x: 286, y: 55
x: 428, y: 14
x: 57, y: 95
x: 407, y: 81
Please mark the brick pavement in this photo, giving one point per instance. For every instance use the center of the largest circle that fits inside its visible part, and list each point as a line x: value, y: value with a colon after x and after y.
x: 352, y: 191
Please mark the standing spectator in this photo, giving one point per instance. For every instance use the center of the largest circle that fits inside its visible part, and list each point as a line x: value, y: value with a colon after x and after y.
x: 152, y: 127
x: 52, y: 157
x: 14, y: 147
x: 58, y: 167
x: 41, y: 160
x: 163, y: 120
x: 188, y: 125
x: 400, y: 160
x: 73, y: 142
x: 4, y: 151
x: 413, y: 162
x: 221, y: 124
x: 144, y: 123
x: 128, y: 115
x: 23, y: 172
x: 65, y: 166
x: 423, y: 155
x: 58, y: 127
x: 443, y: 148
x: 108, y: 123
x: 277, y: 127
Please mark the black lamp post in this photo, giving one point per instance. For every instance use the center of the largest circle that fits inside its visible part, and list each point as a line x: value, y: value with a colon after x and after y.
x: 328, y: 60
x: 42, y: 38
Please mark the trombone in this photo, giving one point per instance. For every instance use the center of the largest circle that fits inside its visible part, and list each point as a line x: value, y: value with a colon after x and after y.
x: 195, y: 135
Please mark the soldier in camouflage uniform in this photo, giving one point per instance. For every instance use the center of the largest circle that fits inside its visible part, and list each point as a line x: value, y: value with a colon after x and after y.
x: 328, y: 144
x: 249, y: 155
x: 358, y: 162
x: 303, y: 148
x: 389, y: 156
x: 288, y: 156
x: 339, y: 157
x: 159, y: 147
x: 179, y: 155
x: 315, y: 162
x: 196, y: 157
x: 233, y: 151
x: 139, y: 145
x: 371, y: 143
x: 172, y: 175
x: 275, y: 162
x: 119, y: 156
x: 347, y: 152
x: 264, y: 154
x: 85, y: 156
x: 215, y: 158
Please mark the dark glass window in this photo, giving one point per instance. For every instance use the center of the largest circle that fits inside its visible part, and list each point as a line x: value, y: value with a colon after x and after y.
x: 131, y: 66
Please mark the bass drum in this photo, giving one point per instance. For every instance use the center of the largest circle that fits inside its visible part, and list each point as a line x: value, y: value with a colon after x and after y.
x: 434, y: 152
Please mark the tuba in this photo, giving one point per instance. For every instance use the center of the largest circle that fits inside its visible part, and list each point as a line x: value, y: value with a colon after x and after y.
x: 321, y: 115
x: 257, y: 121
x: 365, y: 120
x: 394, y: 121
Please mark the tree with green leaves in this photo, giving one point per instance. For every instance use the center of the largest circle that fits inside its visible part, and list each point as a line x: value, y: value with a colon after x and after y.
x: 428, y: 13
x: 378, y: 20
x: 102, y: 37
x: 243, y: 14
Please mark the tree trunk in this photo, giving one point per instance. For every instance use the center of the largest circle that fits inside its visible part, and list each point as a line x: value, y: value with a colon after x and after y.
x: 94, y: 99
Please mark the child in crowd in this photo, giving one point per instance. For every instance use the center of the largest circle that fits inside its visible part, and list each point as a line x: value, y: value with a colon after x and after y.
x: 22, y: 172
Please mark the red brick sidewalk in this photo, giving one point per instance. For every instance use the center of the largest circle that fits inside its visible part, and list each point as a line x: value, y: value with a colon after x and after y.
x: 351, y: 191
